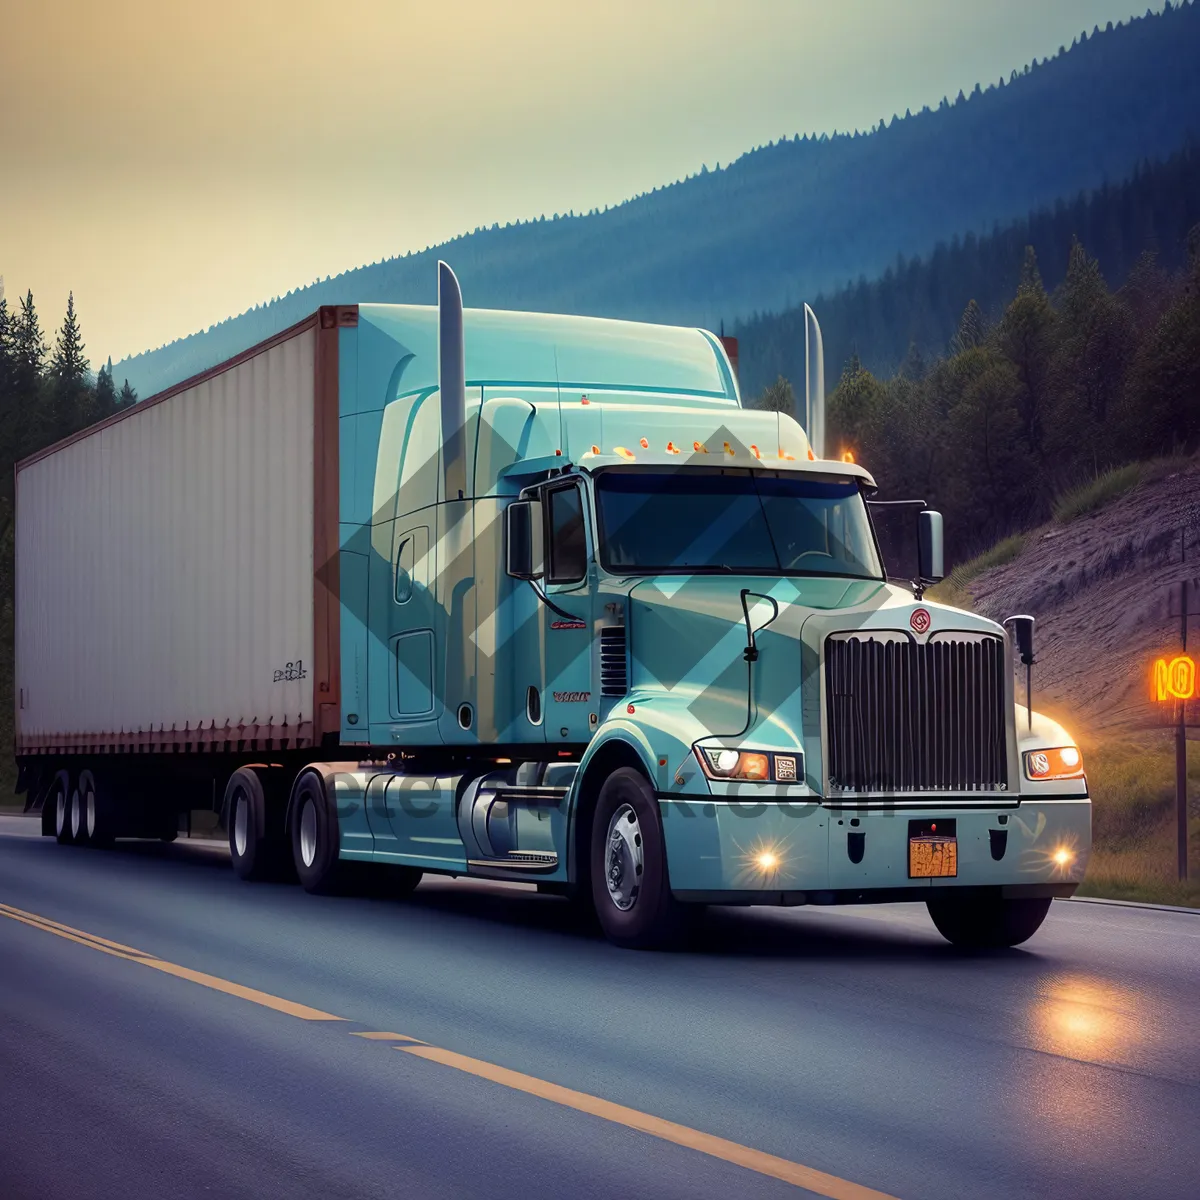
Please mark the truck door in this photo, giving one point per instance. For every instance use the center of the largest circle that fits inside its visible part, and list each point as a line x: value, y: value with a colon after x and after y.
x: 569, y: 698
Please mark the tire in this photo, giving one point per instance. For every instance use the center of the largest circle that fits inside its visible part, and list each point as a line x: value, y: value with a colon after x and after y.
x: 632, y: 899
x: 989, y: 922
x: 75, y: 817
x: 313, y: 831
x: 253, y: 853
x: 98, y: 815
x: 59, y: 797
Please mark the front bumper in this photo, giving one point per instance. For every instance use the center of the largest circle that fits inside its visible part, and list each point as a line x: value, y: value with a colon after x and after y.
x: 736, y: 851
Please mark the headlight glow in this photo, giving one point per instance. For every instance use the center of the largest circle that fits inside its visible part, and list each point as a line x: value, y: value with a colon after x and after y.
x: 1062, y: 762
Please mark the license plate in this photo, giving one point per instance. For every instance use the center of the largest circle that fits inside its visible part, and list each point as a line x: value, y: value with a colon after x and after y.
x: 932, y: 857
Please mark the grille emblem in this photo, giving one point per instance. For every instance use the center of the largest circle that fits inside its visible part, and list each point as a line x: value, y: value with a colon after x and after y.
x: 920, y: 620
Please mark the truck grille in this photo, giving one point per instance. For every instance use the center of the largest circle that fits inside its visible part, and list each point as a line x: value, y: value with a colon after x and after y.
x: 613, y: 678
x: 905, y: 717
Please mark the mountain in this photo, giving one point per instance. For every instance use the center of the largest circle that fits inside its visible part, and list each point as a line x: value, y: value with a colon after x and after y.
x: 909, y: 315
x: 803, y: 215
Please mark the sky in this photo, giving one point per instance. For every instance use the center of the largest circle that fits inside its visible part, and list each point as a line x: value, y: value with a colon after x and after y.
x: 176, y: 163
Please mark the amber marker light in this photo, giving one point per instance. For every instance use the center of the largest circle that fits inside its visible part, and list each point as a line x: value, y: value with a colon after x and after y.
x: 644, y: 443
x: 848, y: 456
x: 1062, y: 762
x: 625, y: 453
x: 767, y: 861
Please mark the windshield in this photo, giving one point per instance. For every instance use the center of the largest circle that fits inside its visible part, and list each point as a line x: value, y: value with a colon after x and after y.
x: 730, y: 520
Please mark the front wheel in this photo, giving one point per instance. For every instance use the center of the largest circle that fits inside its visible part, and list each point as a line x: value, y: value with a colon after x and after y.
x: 989, y: 922
x: 630, y: 888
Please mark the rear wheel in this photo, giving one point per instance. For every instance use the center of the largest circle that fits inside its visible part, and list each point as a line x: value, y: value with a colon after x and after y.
x: 314, y: 835
x: 252, y: 851
x: 75, y: 816
x: 59, y: 798
x: 98, y: 815
x: 987, y: 922
x: 631, y: 892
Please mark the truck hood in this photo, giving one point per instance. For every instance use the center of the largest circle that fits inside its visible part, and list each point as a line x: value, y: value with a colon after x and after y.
x: 688, y: 638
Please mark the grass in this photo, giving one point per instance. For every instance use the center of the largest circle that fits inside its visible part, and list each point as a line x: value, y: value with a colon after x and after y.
x: 1097, y: 492
x: 1133, y: 823
x: 955, y: 588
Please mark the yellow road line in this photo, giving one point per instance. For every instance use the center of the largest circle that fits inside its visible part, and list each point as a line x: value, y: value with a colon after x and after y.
x: 732, y: 1152
x: 387, y: 1037
x: 820, y: 1182
x: 265, y: 999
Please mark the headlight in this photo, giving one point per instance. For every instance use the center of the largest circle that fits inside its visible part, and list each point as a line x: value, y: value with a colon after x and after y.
x: 753, y: 766
x: 1062, y: 762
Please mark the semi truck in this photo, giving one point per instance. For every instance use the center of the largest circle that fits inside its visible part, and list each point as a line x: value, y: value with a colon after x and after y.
x: 410, y: 590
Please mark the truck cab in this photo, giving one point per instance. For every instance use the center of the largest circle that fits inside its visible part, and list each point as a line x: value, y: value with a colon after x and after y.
x: 636, y: 643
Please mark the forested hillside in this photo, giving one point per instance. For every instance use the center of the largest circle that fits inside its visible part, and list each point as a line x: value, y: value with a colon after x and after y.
x: 909, y: 315
x: 804, y: 215
x: 1063, y: 387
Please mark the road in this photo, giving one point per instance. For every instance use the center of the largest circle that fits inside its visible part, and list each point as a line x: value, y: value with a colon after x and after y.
x: 851, y: 1051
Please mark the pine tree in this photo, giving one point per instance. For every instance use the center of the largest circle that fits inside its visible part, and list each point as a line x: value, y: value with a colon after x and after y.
x: 972, y: 329
x: 127, y: 397
x: 779, y: 396
x: 106, y: 392
x: 72, y: 400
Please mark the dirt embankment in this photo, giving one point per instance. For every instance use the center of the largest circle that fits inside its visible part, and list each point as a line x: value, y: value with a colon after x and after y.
x: 1099, y: 588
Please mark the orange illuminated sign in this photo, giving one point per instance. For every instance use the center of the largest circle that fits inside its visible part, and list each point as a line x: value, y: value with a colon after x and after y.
x: 1175, y: 678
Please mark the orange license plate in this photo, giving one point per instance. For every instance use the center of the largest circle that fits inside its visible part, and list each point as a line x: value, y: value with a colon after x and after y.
x: 932, y: 857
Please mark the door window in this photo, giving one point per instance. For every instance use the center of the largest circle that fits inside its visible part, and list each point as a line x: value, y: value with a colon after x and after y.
x: 568, y: 540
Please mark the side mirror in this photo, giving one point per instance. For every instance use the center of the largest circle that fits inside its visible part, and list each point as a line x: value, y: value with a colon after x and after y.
x: 523, y: 539
x: 1022, y: 627
x: 930, y: 551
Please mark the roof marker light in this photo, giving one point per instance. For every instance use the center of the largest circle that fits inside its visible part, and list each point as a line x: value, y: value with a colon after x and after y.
x: 624, y: 453
x: 595, y: 449
x: 811, y: 456
x: 645, y: 444
x: 672, y: 448
x: 848, y: 456
x: 754, y: 451
x: 700, y: 447
x: 728, y: 448
x: 785, y: 455
x: 584, y: 400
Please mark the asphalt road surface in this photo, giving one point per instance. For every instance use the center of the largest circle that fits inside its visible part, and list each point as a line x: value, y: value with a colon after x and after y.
x: 167, y: 1030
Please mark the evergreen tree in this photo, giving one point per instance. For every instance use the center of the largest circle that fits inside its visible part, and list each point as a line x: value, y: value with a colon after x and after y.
x: 1025, y: 337
x: 72, y: 399
x: 106, y: 393
x: 779, y: 396
x: 972, y: 329
x: 127, y: 397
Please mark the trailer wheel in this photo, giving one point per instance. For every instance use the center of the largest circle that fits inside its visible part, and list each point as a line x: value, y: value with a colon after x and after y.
x: 76, y: 820
x: 98, y: 824
x: 989, y: 922
x: 252, y: 852
x: 59, y: 798
x: 314, y: 835
x: 630, y: 889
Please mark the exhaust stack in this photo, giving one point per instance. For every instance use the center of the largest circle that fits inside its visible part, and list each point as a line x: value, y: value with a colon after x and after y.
x: 814, y: 383
x: 452, y: 384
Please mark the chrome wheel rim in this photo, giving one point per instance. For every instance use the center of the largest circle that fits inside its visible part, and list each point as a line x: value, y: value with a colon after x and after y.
x: 240, y: 825
x: 308, y: 833
x: 623, y: 859
x: 91, y: 813
x: 60, y: 812
x: 76, y: 813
